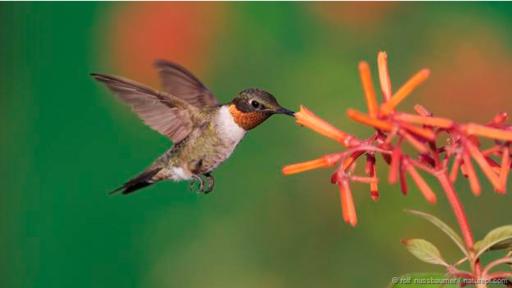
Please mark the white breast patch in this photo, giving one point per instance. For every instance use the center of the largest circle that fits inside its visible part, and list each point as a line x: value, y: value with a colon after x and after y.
x: 228, y: 128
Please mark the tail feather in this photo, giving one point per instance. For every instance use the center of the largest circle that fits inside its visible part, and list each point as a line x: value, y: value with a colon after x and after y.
x: 140, y: 181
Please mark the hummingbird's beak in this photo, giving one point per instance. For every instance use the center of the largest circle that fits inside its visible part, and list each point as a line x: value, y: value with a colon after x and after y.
x: 285, y: 111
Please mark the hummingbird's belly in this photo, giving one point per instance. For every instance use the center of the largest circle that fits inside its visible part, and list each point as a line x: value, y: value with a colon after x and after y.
x: 198, y: 159
x: 179, y: 173
x: 210, y: 162
x: 204, y: 149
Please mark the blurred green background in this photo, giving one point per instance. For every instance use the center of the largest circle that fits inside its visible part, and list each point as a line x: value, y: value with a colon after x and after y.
x: 66, y: 141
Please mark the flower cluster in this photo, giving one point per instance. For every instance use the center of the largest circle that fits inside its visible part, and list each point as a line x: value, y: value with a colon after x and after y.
x: 443, y: 148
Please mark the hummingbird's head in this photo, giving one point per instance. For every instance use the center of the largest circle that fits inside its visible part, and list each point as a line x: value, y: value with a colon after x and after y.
x: 253, y: 106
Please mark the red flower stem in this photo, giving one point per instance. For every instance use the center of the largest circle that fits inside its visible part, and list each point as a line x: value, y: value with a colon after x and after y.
x: 460, y: 273
x: 500, y: 275
x: 361, y: 179
x: 506, y: 260
x: 423, y: 167
x: 460, y: 215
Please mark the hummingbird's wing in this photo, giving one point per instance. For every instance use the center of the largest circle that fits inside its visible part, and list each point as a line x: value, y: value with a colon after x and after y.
x: 170, y: 116
x: 181, y: 83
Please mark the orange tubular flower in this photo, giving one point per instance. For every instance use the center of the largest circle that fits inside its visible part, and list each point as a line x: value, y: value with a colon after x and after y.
x: 484, y: 165
x: 422, y: 132
x: 463, y: 168
x: 374, y: 190
x: 370, y: 164
x: 348, y: 208
x: 495, y: 167
x: 420, y: 109
x: 505, y: 169
x: 423, y: 120
x: 470, y: 171
x: 404, y: 91
x: 369, y: 91
x: 422, y: 148
x: 385, y: 82
x: 494, y: 133
x: 371, y: 170
x: 322, y: 162
x: 500, y: 118
x: 420, y: 182
x: 403, y: 182
x: 365, y: 119
x: 455, y: 168
x: 307, y: 118
x: 491, y: 151
x: 395, y: 165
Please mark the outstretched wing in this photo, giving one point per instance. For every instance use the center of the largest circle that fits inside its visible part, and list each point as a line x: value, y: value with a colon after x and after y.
x: 179, y: 82
x: 166, y: 114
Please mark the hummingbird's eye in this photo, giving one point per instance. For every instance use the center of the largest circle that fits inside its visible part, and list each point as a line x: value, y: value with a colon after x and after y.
x: 255, y: 104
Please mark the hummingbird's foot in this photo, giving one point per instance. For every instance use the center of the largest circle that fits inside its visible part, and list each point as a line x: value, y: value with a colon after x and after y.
x: 205, y: 182
x: 196, y: 179
x: 210, y: 180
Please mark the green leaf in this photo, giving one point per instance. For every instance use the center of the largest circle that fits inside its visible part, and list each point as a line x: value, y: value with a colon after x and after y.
x: 424, y: 280
x: 443, y: 226
x: 507, y: 244
x: 498, y: 238
x: 477, y: 245
x: 425, y: 251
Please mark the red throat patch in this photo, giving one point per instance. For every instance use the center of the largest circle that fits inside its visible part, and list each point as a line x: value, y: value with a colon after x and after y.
x: 247, y: 120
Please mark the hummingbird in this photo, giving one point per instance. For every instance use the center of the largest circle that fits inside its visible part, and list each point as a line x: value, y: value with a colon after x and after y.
x: 203, y: 131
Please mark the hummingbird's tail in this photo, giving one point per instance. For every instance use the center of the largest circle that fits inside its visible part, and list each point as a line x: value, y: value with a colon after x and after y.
x: 140, y: 181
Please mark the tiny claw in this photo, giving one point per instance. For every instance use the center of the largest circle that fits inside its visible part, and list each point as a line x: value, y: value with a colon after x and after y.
x: 196, y: 179
x: 210, y: 180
